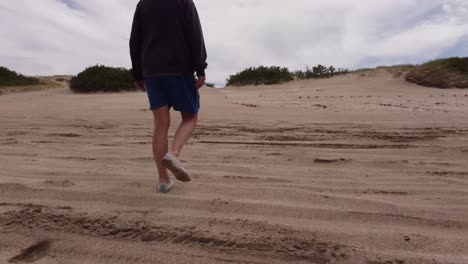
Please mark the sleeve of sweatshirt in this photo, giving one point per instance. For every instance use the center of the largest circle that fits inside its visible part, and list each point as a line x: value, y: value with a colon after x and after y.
x: 135, y: 46
x: 196, y: 40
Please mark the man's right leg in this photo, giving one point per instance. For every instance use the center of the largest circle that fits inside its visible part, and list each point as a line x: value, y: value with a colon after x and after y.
x: 160, y: 142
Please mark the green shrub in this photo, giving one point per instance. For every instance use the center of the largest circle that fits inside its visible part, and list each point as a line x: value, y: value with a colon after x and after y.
x: 442, y: 73
x: 103, y: 79
x: 11, y: 78
x: 319, y: 71
x: 211, y: 85
x: 260, y: 75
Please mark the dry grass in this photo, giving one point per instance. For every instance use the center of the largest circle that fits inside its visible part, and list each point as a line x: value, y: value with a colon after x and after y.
x: 45, y: 83
x: 443, y: 73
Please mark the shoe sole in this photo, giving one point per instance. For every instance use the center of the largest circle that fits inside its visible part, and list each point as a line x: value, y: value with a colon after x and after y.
x: 167, y: 188
x: 178, y: 171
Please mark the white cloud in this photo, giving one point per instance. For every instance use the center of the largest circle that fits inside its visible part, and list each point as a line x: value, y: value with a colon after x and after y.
x: 65, y: 36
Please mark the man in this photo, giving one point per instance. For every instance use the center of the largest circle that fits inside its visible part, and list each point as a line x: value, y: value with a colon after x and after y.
x: 167, y: 47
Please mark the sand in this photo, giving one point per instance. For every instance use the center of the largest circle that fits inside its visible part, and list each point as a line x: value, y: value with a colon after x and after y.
x: 355, y: 169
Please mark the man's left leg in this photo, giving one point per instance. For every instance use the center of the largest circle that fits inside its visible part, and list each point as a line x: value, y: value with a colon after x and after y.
x: 184, y: 132
x: 184, y: 97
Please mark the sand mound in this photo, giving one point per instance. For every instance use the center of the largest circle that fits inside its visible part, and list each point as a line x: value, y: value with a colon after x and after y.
x: 362, y: 170
x: 397, y: 71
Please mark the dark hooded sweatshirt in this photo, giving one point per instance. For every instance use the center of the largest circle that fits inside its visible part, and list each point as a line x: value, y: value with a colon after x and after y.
x: 167, y: 39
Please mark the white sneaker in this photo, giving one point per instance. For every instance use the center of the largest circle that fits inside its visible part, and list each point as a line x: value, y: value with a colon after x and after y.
x: 164, y: 188
x: 175, y: 166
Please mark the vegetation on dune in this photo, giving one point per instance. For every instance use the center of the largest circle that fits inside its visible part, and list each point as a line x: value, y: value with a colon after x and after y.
x: 10, y: 78
x: 442, y: 73
x: 101, y: 78
x: 211, y: 85
x: 276, y: 75
x: 260, y: 75
x: 319, y: 71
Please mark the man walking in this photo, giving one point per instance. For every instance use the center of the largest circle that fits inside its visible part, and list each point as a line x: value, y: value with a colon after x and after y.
x: 167, y: 47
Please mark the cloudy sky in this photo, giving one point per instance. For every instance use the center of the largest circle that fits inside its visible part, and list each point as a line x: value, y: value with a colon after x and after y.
x: 45, y: 37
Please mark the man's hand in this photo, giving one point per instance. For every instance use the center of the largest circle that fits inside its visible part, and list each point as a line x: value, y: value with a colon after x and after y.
x: 200, y: 82
x: 141, y: 85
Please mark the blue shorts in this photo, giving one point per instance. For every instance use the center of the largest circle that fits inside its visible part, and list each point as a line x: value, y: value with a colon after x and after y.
x: 176, y: 91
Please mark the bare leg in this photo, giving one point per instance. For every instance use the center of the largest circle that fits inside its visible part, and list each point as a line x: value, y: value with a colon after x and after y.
x: 160, y: 145
x: 184, y: 132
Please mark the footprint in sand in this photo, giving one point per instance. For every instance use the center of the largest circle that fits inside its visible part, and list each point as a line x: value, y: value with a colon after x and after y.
x: 10, y: 142
x: 78, y: 158
x: 108, y: 145
x: 133, y: 185
x: 274, y: 154
x: 143, y: 159
x: 16, y: 133
x: 68, y: 135
x: 340, y: 160
x: 385, y: 192
x: 254, y: 179
x: 44, y: 142
x: 32, y: 253
x: 59, y: 183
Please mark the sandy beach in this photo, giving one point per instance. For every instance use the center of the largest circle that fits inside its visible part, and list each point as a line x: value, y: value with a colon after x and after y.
x: 355, y: 169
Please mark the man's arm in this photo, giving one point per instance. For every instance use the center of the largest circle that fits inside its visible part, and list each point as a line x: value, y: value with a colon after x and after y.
x: 196, y: 40
x: 135, y: 49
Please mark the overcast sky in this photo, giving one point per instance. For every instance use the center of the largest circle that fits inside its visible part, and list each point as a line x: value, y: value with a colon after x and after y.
x: 45, y: 37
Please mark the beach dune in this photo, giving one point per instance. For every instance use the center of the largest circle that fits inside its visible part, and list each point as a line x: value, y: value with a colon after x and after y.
x: 355, y: 169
